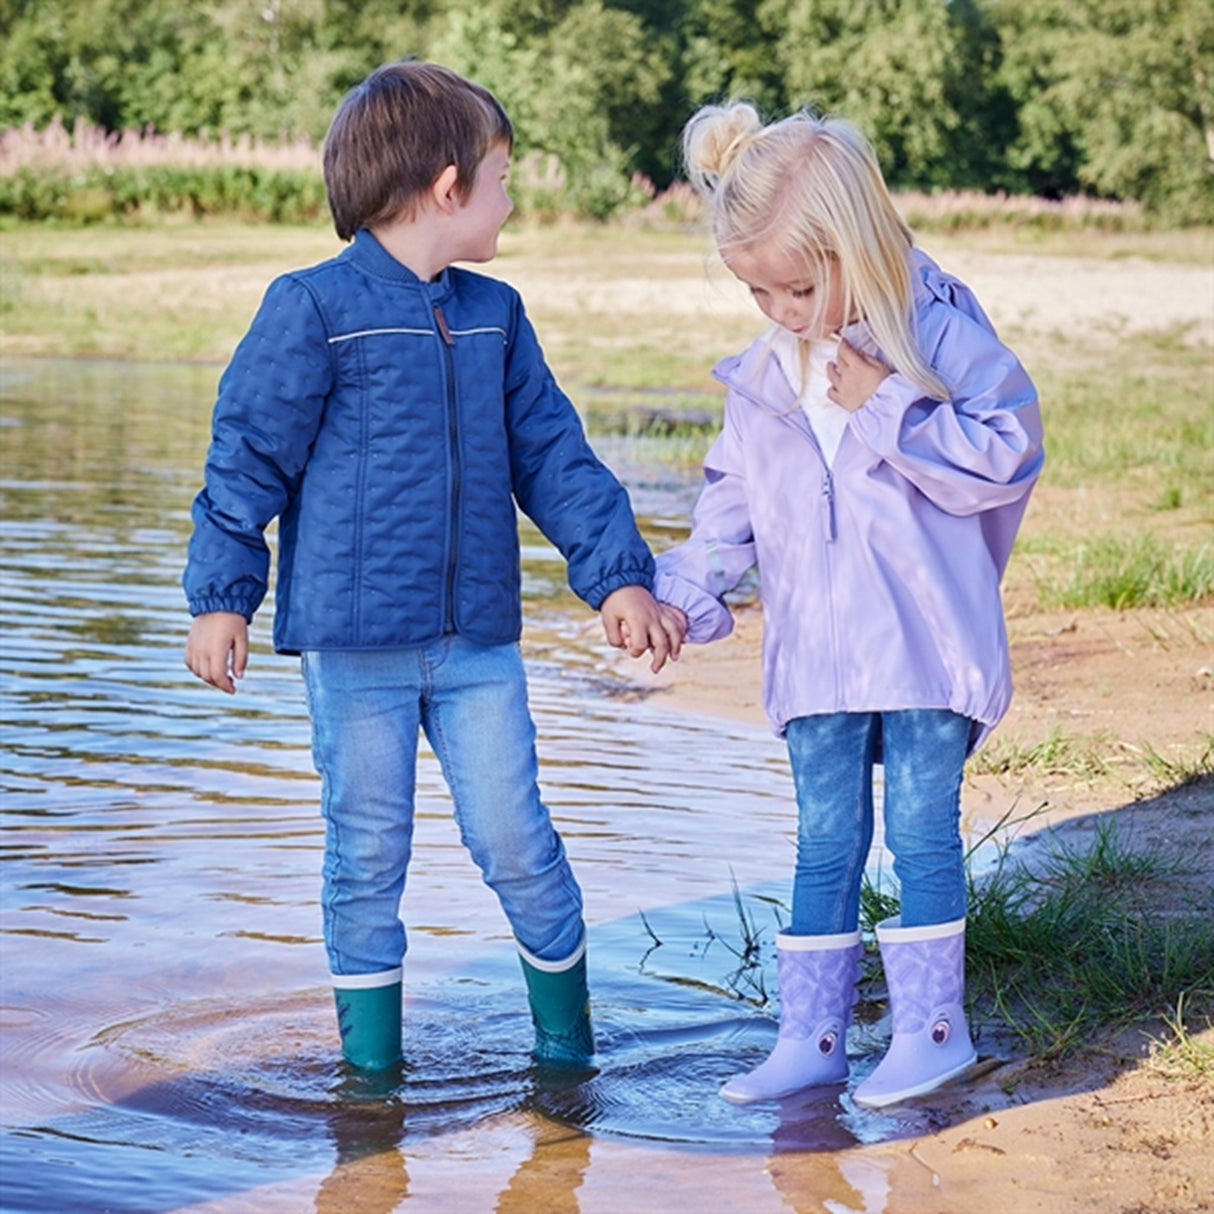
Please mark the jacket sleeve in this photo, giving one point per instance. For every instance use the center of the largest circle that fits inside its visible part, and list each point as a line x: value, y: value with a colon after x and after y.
x: 559, y: 482
x: 696, y: 574
x: 981, y: 449
x: 270, y: 402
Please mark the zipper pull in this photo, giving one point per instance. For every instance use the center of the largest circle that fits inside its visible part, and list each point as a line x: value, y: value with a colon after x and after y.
x: 444, y: 332
x: 828, y: 493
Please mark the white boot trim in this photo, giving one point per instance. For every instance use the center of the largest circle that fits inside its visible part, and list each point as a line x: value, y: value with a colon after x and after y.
x: 553, y: 967
x: 891, y: 930
x: 365, y: 982
x: 816, y: 944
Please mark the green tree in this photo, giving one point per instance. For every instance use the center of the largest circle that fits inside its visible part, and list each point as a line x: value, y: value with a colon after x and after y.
x: 1115, y: 94
x: 894, y: 67
x: 260, y: 67
x: 579, y: 90
x: 728, y: 51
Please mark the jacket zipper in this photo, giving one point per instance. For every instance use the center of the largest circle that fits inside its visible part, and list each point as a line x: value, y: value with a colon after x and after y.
x: 831, y: 533
x: 828, y: 492
x: 453, y: 439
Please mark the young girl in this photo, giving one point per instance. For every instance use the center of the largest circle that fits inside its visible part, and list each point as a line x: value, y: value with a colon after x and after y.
x: 878, y: 450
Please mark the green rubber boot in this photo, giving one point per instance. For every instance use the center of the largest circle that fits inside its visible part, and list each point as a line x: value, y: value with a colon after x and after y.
x: 560, y: 1008
x: 368, y: 1018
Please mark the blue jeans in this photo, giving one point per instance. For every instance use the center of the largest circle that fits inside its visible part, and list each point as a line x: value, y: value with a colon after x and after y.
x: 471, y: 701
x: 832, y: 757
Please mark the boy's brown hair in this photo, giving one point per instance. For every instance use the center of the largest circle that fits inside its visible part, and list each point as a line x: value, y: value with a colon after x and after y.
x: 394, y: 134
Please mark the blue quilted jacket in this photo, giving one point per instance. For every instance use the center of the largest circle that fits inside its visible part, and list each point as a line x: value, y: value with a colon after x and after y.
x: 391, y: 425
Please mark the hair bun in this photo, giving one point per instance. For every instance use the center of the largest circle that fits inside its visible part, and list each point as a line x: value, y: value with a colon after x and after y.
x: 713, y: 139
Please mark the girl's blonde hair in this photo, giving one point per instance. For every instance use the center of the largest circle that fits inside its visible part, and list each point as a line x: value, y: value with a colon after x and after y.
x: 811, y: 186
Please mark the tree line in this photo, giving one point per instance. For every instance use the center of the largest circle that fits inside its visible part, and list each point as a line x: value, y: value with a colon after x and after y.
x: 1112, y: 98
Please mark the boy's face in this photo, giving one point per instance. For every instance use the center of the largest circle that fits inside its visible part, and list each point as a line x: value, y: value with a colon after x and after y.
x: 480, y: 218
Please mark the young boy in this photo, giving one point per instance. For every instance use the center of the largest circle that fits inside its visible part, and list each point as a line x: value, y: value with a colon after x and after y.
x: 390, y: 410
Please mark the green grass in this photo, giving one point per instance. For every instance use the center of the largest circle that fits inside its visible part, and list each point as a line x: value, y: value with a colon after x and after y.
x: 1069, y: 947
x: 1184, y: 1054
x: 1133, y: 571
x: 1177, y: 772
x: 1094, y: 759
x: 1142, y: 414
x: 1057, y: 754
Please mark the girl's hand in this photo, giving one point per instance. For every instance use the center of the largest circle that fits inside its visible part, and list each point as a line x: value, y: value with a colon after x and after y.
x: 854, y: 377
x: 217, y: 649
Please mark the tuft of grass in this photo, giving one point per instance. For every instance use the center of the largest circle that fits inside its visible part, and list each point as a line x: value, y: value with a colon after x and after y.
x: 1095, y: 759
x: 1175, y: 772
x: 1138, y: 571
x: 1057, y: 754
x: 1181, y: 1055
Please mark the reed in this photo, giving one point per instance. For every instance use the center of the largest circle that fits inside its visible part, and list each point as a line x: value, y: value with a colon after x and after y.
x: 85, y: 145
x: 86, y: 174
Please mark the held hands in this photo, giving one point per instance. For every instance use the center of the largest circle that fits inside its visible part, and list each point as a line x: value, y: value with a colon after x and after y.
x: 634, y: 620
x: 217, y: 650
x: 854, y: 377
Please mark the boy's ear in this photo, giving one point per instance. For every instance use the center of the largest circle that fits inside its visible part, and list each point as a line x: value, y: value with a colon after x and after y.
x: 442, y: 192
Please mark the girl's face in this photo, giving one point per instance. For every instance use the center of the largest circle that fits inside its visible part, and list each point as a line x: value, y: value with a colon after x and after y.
x: 808, y: 302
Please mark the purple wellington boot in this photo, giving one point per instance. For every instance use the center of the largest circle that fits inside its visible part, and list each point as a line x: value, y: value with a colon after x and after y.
x: 925, y: 973
x: 817, y: 990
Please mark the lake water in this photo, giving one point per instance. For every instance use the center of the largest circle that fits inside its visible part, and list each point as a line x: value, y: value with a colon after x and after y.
x: 168, y: 1034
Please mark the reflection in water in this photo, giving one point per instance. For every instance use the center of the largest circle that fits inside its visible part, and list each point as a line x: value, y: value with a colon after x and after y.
x: 168, y: 1028
x: 550, y: 1177
x: 370, y: 1174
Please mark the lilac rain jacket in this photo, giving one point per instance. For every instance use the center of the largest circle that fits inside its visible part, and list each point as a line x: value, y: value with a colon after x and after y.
x: 879, y: 574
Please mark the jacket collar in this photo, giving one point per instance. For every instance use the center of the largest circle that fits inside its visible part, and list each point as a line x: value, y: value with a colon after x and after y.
x: 756, y: 375
x: 368, y: 254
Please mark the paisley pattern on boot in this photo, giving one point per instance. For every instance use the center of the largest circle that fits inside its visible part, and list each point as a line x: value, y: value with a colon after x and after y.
x: 926, y: 974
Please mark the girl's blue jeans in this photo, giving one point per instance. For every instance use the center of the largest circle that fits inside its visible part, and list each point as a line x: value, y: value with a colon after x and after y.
x: 832, y: 757
x: 471, y: 701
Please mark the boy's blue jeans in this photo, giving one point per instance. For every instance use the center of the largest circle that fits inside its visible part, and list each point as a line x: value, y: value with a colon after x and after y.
x: 832, y: 759
x: 471, y: 701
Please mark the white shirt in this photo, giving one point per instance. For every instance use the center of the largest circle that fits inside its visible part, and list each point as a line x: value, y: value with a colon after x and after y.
x: 808, y: 380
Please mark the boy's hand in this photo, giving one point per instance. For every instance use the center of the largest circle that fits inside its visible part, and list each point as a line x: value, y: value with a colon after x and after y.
x: 854, y: 377
x: 217, y: 650
x: 634, y: 620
